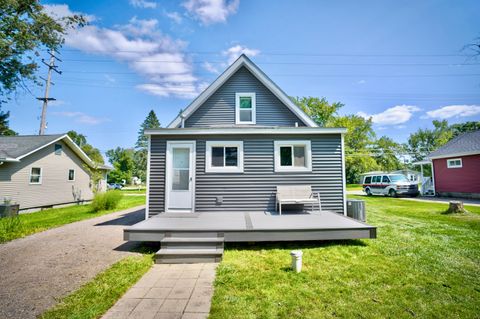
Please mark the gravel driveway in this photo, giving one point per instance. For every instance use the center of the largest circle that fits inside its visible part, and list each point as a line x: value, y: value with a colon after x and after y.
x: 37, y: 270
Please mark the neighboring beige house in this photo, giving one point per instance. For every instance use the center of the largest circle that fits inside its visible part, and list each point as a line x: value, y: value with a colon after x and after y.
x: 45, y: 170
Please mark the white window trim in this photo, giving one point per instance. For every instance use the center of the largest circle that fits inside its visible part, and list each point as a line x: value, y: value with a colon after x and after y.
x: 226, y: 169
x: 237, y: 108
x: 308, y: 156
x: 451, y: 165
x: 30, y: 176
x: 74, y: 175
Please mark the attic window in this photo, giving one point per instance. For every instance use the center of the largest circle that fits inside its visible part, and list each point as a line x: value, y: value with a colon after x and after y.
x: 58, y: 149
x: 245, y: 108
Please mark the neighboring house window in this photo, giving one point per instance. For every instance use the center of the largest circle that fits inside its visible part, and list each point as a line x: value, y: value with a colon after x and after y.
x: 35, y: 175
x: 71, y: 175
x: 291, y: 156
x: 245, y: 108
x: 224, y: 156
x: 454, y: 163
x: 58, y: 149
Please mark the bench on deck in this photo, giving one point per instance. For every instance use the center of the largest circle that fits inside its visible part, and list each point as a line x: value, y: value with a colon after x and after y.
x: 296, y: 194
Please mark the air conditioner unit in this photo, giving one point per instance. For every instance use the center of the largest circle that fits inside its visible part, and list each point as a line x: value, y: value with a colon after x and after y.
x: 356, y: 209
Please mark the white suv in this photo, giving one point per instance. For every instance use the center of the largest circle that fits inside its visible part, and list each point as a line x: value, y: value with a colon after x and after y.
x: 389, y: 185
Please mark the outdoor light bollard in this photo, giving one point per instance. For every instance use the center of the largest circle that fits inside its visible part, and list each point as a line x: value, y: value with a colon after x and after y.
x: 296, y: 260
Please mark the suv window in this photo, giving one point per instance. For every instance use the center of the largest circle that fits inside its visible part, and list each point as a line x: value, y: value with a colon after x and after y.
x: 368, y: 180
x: 376, y: 179
x: 385, y: 179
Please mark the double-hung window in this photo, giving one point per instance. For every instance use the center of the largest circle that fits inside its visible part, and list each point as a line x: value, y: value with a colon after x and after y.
x: 224, y: 156
x: 245, y: 108
x: 36, y: 175
x: 293, y: 156
x: 454, y: 163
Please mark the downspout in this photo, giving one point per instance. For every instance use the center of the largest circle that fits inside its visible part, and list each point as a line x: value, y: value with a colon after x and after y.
x: 433, y: 179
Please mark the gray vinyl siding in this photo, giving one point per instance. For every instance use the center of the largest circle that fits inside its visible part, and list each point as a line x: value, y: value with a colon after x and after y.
x: 254, y: 189
x: 219, y: 109
x: 55, y: 188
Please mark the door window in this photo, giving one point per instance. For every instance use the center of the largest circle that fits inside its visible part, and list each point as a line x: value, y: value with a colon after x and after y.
x: 181, y: 169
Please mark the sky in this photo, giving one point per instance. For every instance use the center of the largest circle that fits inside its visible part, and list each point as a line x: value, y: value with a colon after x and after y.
x: 402, y: 63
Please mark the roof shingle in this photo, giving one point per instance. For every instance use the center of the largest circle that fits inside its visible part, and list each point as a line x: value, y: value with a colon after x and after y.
x: 465, y: 143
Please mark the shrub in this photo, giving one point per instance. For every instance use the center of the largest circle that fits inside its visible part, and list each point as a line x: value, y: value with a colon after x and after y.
x: 106, y: 201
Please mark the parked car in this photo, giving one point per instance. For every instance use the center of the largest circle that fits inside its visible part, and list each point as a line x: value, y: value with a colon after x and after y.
x: 391, y: 185
x: 115, y: 186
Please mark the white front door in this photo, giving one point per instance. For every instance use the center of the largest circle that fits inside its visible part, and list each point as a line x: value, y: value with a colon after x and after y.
x: 180, y: 172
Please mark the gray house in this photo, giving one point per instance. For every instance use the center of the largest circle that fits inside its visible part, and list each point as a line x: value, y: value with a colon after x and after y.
x: 216, y: 173
x: 237, y: 141
x: 44, y: 171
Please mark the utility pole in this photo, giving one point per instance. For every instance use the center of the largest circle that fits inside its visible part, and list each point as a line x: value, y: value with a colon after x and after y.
x: 51, y: 66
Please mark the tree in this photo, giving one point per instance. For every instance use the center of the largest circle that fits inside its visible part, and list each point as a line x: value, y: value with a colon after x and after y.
x: 386, y: 154
x: 123, y: 163
x: 4, y: 128
x: 358, y: 142
x: 318, y: 109
x: 424, y: 141
x: 92, y: 152
x: 25, y: 29
x: 150, y: 122
x: 461, y: 128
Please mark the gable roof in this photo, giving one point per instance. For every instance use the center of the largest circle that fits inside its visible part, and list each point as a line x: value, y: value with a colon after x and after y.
x: 462, y: 145
x: 243, y: 60
x: 14, y: 148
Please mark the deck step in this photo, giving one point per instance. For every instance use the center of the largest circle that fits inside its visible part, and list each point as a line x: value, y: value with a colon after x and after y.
x: 192, y: 240
x: 181, y: 256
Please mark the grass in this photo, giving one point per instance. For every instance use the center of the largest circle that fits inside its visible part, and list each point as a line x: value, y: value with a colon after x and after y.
x: 97, y: 296
x: 423, y: 264
x: 134, y: 191
x: 27, y: 224
x: 354, y: 187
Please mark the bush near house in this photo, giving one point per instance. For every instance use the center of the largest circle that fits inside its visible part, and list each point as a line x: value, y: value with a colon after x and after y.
x: 106, y: 201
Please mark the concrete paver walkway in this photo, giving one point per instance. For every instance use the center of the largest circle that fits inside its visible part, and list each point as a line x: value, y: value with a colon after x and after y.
x: 177, y: 291
x: 36, y: 271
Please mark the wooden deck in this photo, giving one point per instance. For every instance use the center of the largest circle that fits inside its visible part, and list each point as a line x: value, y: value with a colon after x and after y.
x: 251, y: 226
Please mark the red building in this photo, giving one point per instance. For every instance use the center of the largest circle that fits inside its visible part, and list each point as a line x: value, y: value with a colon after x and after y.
x: 456, y: 167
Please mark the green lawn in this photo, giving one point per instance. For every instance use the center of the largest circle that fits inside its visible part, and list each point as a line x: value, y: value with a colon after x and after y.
x: 27, y: 224
x: 134, y: 191
x: 97, y: 296
x: 423, y: 264
x: 354, y: 187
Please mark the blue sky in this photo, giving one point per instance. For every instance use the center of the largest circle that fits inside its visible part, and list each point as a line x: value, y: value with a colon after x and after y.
x: 398, y: 61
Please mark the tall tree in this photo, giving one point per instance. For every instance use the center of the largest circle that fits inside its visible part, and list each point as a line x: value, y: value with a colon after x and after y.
x: 123, y: 163
x: 25, y: 29
x: 92, y: 152
x: 4, y: 128
x: 150, y: 122
x: 424, y: 141
x: 319, y: 109
x: 358, y: 143
x: 461, y: 128
x: 386, y: 153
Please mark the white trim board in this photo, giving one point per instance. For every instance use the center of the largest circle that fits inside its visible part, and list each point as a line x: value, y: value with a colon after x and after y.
x: 246, y: 131
x: 243, y: 60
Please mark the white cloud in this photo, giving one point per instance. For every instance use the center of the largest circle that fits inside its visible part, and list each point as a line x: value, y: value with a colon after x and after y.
x: 450, y: 111
x: 361, y: 82
x: 143, y: 4
x: 234, y: 52
x: 60, y: 11
x: 83, y: 118
x: 146, y: 50
x: 392, y: 116
x: 210, y: 67
x: 174, y: 16
x: 211, y: 11
x: 57, y: 103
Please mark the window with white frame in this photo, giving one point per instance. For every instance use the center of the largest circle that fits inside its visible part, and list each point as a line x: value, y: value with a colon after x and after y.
x: 454, y: 163
x: 224, y: 156
x: 71, y: 175
x: 245, y: 108
x: 36, y: 175
x: 292, y: 156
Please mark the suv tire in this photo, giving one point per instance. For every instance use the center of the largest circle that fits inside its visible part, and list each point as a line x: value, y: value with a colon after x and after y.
x: 392, y: 193
x: 368, y: 191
